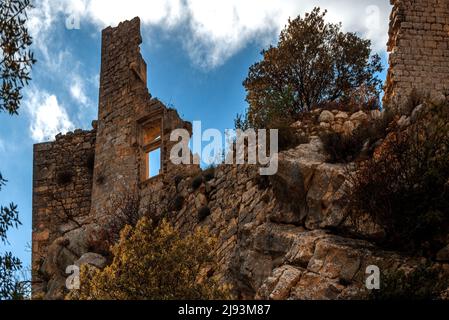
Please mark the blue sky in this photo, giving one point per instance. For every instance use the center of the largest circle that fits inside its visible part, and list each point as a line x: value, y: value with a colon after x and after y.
x: 198, y: 53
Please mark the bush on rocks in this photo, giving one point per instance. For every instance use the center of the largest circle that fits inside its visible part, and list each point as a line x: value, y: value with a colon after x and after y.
x: 404, y: 187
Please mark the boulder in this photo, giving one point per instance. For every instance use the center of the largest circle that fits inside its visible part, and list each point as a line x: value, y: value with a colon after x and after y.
x: 314, y: 189
x: 312, y: 286
x: 56, y: 288
x: 359, y: 116
x: 341, y: 115
x: 325, y: 197
x: 280, y: 283
x: 438, y: 99
x: 325, y: 125
x: 303, y: 247
x: 49, y: 266
x: 335, y: 258
x: 348, y: 127
x: 337, y: 127
x: 275, y: 239
x: 326, y: 116
x: 93, y: 259
x: 296, y: 168
x: 200, y: 200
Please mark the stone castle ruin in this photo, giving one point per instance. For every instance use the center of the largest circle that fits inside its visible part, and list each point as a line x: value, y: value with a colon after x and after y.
x: 266, y: 249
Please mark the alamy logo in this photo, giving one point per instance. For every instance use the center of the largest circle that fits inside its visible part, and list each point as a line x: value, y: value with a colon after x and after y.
x: 72, y: 22
x: 73, y: 280
x: 373, y: 279
x: 232, y: 149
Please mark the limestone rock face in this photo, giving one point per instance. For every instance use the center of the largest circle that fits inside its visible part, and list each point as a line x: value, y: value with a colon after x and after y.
x: 317, y: 186
x: 320, y: 265
x: 279, y: 285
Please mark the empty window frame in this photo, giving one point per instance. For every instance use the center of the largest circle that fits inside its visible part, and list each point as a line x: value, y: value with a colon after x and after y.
x: 151, y: 143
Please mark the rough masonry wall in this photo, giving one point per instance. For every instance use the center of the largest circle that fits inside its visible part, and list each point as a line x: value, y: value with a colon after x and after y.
x: 62, y: 184
x: 419, y: 48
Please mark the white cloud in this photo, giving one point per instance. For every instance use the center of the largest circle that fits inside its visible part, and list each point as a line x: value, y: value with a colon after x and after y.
x: 77, y: 91
x: 48, y: 117
x: 2, y: 146
x: 218, y: 29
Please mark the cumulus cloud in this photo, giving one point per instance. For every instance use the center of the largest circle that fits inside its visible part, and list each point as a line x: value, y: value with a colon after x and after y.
x: 47, y: 116
x: 218, y: 29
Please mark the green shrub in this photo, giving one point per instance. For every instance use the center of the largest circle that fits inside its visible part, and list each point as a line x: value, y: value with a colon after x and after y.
x: 155, y: 263
x: 313, y: 62
x: 422, y: 283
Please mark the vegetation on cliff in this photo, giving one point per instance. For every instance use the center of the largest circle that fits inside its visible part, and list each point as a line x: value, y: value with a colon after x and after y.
x: 155, y: 263
x: 314, y: 63
x: 404, y: 187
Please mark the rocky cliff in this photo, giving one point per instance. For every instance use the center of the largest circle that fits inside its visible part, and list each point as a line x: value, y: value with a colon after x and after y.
x: 283, y: 237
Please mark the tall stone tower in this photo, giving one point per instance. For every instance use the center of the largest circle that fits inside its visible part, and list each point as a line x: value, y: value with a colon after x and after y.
x: 123, y: 98
x: 419, y: 48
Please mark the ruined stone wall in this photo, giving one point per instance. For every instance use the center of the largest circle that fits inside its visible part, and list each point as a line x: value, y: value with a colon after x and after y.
x: 124, y: 106
x: 419, y: 48
x: 78, y: 177
x: 62, y: 184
